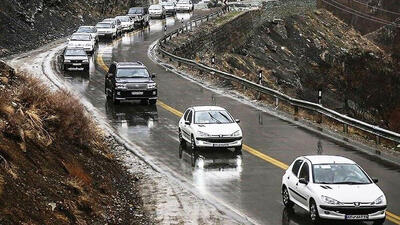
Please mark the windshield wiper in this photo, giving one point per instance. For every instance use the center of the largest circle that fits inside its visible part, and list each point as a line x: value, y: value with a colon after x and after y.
x: 214, y: 118
x: 225, y: 117
x: 349, y: 182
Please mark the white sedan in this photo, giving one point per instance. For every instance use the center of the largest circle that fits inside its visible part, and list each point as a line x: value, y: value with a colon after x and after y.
x: 210, y: 127
x: 82, y: 40
x: 333, y: 187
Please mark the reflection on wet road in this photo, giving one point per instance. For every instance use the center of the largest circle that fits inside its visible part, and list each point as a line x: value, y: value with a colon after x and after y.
x: 247, y: 183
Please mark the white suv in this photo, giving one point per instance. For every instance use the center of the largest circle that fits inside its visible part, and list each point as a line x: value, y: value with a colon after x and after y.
x: 210, y: 127
x: 333, y: 187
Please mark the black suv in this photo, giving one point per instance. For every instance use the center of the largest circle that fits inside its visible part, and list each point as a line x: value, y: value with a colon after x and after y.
x: 130, y: 81
x: 140, y: 16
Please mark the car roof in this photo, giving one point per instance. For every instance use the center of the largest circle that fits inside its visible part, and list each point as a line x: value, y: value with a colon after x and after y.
x: 130, y: 65
x: 327, y: 159
x: 207, y: 108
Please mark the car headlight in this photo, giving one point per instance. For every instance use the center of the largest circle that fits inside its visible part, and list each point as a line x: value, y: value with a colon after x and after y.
x: 236, y: 133
x: 67, y: 60
x: 120, y: 85
x: 85, y: 60
x: 203, y: 134
x: 379, y: 200
x: 330, y: 201
x: 87, y: 45
x: 151, y: 86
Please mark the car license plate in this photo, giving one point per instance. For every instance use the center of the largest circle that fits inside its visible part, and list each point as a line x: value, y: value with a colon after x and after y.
x: 76, y: 64
x: 220, y: 145
x: 137, y: 93
x: 357, y: 217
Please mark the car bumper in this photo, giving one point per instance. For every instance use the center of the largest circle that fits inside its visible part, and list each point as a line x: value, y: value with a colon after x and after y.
x: 105, y: 35
x: 156, y: 15
x: 183, y: 9
x: 75, y: 65
x: 135, y: 94
x: 218, y: 143
x: 126, y: 28
x: 353, y: 213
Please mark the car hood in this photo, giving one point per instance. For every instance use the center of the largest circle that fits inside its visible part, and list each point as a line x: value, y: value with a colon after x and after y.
x: 104, y: 29
x: 78, y: 42
x: 134, y: 80
x: 169, y: 7
x: 218, y: 129
x: 350, y: 193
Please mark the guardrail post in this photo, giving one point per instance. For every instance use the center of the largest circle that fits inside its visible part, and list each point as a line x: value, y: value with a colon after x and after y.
x: 320, y: 96
x: 208, y: 17
x: 345, y: 128
x: 296, y: 110
x: 276, y: 102
x: 377, y: 140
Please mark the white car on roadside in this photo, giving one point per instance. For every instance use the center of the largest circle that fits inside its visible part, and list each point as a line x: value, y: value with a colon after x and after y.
x: 127, y: 23
x: 333, y: 187
x: 184, y: 6
x: 210, y: 127
x: 82, y: 40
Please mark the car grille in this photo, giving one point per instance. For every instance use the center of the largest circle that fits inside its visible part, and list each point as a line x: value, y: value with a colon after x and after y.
x: 219, y: 139
x: 76, y: 61
x: 136, y: 86
x: 349, y: 210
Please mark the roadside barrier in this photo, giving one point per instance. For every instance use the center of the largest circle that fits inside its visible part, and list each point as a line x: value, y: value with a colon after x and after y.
x: 346, y: 121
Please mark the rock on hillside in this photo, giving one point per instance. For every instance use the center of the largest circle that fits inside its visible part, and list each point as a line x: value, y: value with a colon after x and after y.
x: 26, y: 24
x: 300, y: 53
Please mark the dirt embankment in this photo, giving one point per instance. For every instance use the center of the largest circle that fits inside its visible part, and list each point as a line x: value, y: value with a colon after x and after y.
x: 56, y: 166
x: 26, y: 25
x: 301, y: 50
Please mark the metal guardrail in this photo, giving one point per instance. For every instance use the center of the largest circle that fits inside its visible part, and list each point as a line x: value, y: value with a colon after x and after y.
x: 347, y: 121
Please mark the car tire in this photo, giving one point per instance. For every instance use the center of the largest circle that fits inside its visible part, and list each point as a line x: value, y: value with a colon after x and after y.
x: 238, y: 150
x: 380, y: 221
x: 180, y: 137
x: 314, y: 216
x: 152, y: 101
x: 286, y: 198
x: 86, y: 68
x: 115, y: 101
x: 63, y: 67
x: 180, y: 151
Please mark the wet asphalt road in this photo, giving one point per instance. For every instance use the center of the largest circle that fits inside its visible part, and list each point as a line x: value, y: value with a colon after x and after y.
x: 248, y: 184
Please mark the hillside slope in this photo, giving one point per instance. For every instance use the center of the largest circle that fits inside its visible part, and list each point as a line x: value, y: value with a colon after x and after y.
x: 55, y: 165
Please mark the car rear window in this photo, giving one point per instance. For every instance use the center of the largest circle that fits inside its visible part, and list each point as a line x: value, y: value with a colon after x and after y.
x: 155, y: 7
x: 136, y: 11
x: 103, y: 25
x: 123, y: 18
x: 86, y: 30
x: 80, y: 37
x: 75, y: 52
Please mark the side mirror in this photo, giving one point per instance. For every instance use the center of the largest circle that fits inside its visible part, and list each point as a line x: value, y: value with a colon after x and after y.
x: 187, y: 122
x: 303, y: 181
x: 375, y: 180
x: 153, y: 75
x: 237, y: 121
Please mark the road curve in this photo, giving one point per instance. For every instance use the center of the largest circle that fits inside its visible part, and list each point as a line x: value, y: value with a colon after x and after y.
x: 251, y: 184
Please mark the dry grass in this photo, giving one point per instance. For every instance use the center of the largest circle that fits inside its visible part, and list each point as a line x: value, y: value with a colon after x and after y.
x: 78, y: 173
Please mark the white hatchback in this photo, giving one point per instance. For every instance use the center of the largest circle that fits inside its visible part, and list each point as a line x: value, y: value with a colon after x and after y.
x: 82, y: 40
x: 210, y: 127
x: 333, y: 187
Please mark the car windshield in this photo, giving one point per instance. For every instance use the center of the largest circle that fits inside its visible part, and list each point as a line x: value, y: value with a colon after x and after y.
x: 155, y: 7
x: 86, y: 30
x: 183, y: 2
x: 75, y: 52
x: 135, y: 11
x: 132, y: 73
x: 80, y: 37
x: 339, y: 174
x: 103, y: 25
x: 123, y: 18
x: 212, y: 117
x: 167, y: 3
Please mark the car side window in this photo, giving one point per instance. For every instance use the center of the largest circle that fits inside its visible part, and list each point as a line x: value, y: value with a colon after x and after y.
x: 112, y: 69
x: 305, y: 172
x: 189, y: 118
x: 296, y: 167
x: 186, y: 114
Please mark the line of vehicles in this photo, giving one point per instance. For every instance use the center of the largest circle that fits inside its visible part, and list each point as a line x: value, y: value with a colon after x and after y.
x: 327, y: 187
x: 84, y: 41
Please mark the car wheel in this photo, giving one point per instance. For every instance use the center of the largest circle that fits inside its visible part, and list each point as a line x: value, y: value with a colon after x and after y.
x: 238, y: 150
x: 379, y: 222
x: 286, y: 198
x: 86, y: 68
x: 115, y: 101
x: 63, y: 67
x: 314, y: 216
x: 181, y: 140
